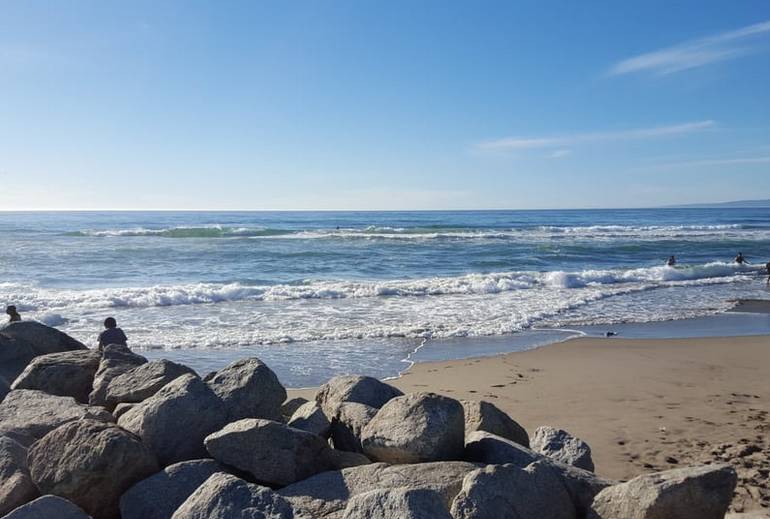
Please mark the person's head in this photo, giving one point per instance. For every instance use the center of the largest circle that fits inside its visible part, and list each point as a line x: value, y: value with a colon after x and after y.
x: 740, y: 254
x: 11, y: 310
x: 110, y: 322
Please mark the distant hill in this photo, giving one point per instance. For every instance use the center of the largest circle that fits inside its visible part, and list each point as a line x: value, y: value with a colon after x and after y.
x: 737, y: 203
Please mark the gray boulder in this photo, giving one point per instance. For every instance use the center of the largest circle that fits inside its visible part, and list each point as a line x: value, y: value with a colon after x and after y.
x: 121, y: 409
x: 582, y: 485
x: 249, y: 389
x: 688, y: 493
x: 223, y: 496
x: 562, y: 446
x: 309, y: 417
x: 26, y: 415
x: 143, y: 381
x: 116, y: 360
x: 416, y: 428
x: 347, y: 423
x: 158, y: 496
x: 485, y: 416
x: 4, y: 389
x: 16, y: 487
x: 68, y: 373
x: 15, y: 354
x: 510, y: 492
x: 401, y: 503
x: 271, y: 452
x: 48, y: 507
x: 289, y: 407
x: 175, y: 420
x: 90, y: 463
x: 44, y: 339
x: 354, y: 388
x: 326, y: 495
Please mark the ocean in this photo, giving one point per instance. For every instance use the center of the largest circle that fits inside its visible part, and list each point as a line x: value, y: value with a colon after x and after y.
x: 320, y: 293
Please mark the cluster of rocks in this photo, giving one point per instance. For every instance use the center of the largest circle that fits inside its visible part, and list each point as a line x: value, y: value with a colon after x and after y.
x: 109, y: 434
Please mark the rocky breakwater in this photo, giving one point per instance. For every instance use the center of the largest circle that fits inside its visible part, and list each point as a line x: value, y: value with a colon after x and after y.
x: 109, y: 435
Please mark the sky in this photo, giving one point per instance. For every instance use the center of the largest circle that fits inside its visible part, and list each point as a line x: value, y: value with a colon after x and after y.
x: 382, y: 105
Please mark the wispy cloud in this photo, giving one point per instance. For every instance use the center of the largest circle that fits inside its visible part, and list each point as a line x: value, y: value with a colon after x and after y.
x: 716, y: 162
x: 562, y: 142
x: 691, y: 54
x: 557, y: 154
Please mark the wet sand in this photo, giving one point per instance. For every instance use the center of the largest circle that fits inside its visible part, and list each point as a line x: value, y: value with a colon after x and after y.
x: 642, y: 405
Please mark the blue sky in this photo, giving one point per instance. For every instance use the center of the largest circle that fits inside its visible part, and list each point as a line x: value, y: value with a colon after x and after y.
x: 382, y: 105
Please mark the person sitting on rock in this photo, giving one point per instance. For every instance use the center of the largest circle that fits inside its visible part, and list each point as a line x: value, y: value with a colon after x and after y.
x: 112, y: 334
x: 13, y: 315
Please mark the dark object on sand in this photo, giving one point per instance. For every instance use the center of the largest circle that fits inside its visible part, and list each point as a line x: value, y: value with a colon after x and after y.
x: 610, y: 334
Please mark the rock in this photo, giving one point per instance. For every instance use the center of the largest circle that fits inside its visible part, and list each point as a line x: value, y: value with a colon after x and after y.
x: 510, y: 492
x: 68, y: 373
x: 309, y: 417
x: 16, y: 487
x: 582, y: 485
x: 223, y: 496
x: 485, y: 416
x: 326, y: 495
x: 4, y: 389
x: 116, y: 360
x: 158, y: 496
x: 347, y: 424
x: 354, y: 388
x: 91, y: 463
x: 15, y: 354
x: 562, y: 446
x: 175, y: 420
x: 290, y: 406
x: 121, y: 409
x: 26, y: 415
x: 416, y: 428
x: 271, y: 452
x: 688, y: 493
x: 44, y: 339
x: 401, y: 503
x: 143, y: 381
x: 48, y: 507
x: 249, y: 389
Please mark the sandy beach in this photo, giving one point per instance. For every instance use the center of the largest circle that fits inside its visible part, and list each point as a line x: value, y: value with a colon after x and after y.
x: 642, y: 405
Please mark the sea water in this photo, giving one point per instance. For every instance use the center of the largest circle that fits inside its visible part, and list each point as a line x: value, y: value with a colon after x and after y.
x: 320, y: 293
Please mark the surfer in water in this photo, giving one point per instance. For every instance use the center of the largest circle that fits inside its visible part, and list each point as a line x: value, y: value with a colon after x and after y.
x: 671, y: 261
x: 740, y: 260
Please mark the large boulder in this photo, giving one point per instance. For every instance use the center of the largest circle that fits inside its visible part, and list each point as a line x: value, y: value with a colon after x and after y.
x: 326, y: 495
x: 249, y: 389
x: 354, y: 388
x: 309, y: 417
x: 26, y: 414
x: 485, y: 416
x: 68, y: 373
x: 158, y: 496
x: 175, y: 420
x: 44, y: 339
x: 416, y: 428
x: 582, y: 485
x: 510, y: 492
x: 15, y: 354
x: 116, y: 360
x: 273, y: 453
x: 223, y: 496
x: 349, y: 420
x: 90, y: 463
x: 562, y: 446
x: 4, y: 389
x: 143, y: 381
x: 701, y: 492
x: 16, y: 487
x: 48, y: 507
x: 401, y: 503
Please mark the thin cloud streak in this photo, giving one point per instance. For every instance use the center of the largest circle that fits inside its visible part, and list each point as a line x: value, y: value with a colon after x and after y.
x: 716, y: 162
x: 692, y: 54
x: 527, y: 143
